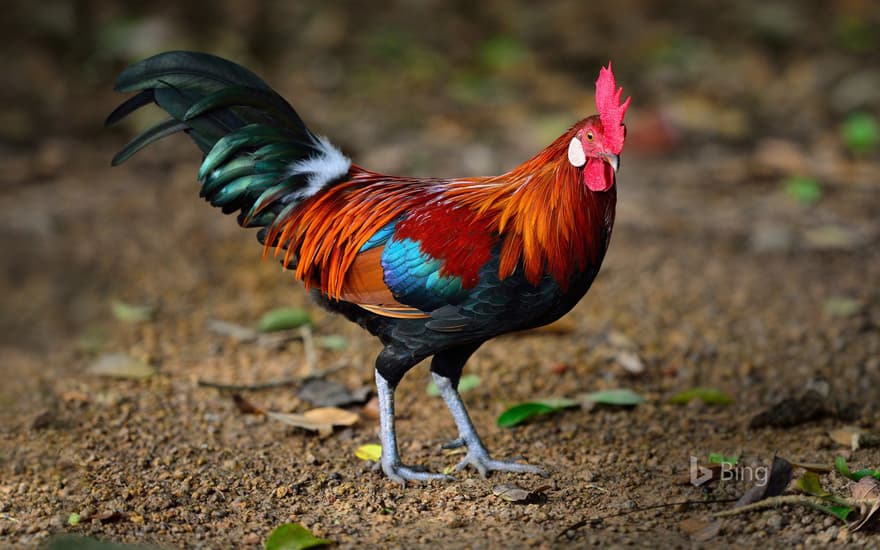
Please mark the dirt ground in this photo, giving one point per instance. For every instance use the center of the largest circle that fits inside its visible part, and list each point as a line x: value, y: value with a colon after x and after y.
x: 718, y: 275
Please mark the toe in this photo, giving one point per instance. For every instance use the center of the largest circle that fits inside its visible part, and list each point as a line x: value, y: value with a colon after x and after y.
x: 485, y: 464
x: 401, y: 474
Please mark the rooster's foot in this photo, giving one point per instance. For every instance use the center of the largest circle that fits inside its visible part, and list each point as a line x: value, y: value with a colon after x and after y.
x: 484, y: 464
x: 477, y: 455
x: 402, y: 473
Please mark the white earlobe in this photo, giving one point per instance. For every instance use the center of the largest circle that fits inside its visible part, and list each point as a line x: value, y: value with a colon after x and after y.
x: 576, y: 154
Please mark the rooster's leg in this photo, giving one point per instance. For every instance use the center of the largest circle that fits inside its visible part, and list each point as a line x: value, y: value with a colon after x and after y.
x: 390, y: 460
x: 477, y: 455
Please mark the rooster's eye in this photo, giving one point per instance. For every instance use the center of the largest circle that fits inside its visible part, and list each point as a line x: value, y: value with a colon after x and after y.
x: 589, y: 136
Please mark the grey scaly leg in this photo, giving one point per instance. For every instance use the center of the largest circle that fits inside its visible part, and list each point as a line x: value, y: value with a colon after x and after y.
x: 390, y: 460
x: 477, y: 455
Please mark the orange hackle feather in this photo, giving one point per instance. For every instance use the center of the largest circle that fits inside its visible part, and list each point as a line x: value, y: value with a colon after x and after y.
x: 540, y: 210
x: 543, y: 212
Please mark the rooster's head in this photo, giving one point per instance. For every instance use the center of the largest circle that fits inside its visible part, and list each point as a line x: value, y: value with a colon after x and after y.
x: 598, y: 140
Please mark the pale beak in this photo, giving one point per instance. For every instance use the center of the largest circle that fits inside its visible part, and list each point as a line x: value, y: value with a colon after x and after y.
x: 613, y: 160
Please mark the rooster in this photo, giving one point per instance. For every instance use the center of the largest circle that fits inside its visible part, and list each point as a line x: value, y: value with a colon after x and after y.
x: 432, y: 267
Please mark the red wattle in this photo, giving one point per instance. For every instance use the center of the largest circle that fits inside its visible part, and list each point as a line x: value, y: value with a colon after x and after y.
x: 598, y: 175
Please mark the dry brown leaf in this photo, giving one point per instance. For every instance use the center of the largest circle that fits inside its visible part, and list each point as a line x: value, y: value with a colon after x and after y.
x: 699, y: 530
x: 812, y: 467
x: 514, y: 493
x: 708, y: 532
x: 321, y: 420
x: 867, y: 490
x: 630, y: 361
x: 332, y: 415
x: 854, y: 437
x: 120, y: 365
x: 371, y: 409
x: 847, y: 436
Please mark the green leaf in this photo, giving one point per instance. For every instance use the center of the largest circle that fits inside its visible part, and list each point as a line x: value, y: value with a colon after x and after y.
x: 802, y: 189
x: 467, y: 383
x: 520, y: 413
x: 130, y: 313
x: 841, y: 306
x: 843, y: 468
x: 284, y: 318
x: 370, y: 451
x: 840, y: 512
x: 293, y: 536
x: 333, y: 342
x: 809, y: 483
x: 558, y: 403
x: 709, y: 396
x: 718, y: 458
x: 861, y: 132
x: 859, y: 474
x: 620, y: 397
x: 73, y: 519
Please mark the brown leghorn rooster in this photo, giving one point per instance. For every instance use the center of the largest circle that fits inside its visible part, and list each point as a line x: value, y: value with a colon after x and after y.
x: 432, y: 267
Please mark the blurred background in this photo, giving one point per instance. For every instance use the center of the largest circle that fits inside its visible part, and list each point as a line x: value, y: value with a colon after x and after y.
x: 744, y: 258
x: 746, y: 101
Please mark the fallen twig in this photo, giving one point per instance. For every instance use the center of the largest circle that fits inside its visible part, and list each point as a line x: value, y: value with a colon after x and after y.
x: 271, y: 384
x: 817, y: 503
x: 305, y: 333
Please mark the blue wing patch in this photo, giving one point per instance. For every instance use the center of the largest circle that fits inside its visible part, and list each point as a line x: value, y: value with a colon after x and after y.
x: 414, y: 277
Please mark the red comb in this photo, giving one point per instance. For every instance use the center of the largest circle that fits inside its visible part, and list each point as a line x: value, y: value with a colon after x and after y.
x: 610, y: 109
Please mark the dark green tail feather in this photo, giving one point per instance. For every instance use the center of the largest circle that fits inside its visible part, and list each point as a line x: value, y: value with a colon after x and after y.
x: 249, y: 134
x: 155, y: 133
x: 187, y: 70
